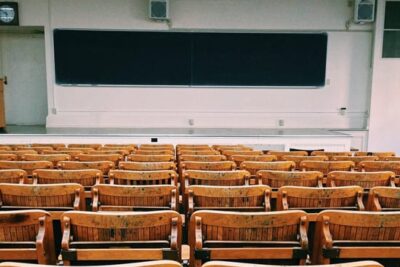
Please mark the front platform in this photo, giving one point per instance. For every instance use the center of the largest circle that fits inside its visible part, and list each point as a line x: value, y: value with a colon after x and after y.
x: 265, y: 139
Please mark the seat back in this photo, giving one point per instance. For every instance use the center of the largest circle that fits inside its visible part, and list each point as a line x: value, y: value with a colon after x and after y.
x: 254, y: 166
x: 217, y: 178
x: 153, y: 152
x: 147, y: 166
x: 92, y: 146
x: 383, y: 198
x: 8, y: 157
x: 160, y: 263
x: 47, y: 197
x: 242, y: 152
x: 276, y: 179
x: 234, y: 198
x: 356, y: 235
x: 124, y: 177
x: 239, y: 264
x: 281, y: 154
x: 53, y: 158
x: 355, y: 159
x: 364, y: 179
x: 202, y: 157
x: 86, y: 177
x: 103, y: 166
x: 378, y: 154
x: 376, y: 166
x: 150, y: 158
x: 82, y: 150
x: 182, y: 152
x: 144, y: 197
x: 331, y: 154
x: 27, y: 235
x: 27, y: 166
x: 208, y: 166
x: 326, y: 166
x: 299, y: 159
x: 15, y: 176
x: 313, y: 199
x: 238, y: 159
x: 53, y: 145
x: 115, y: 158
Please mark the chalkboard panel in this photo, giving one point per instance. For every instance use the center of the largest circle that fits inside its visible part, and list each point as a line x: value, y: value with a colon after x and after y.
x: 189, y: 59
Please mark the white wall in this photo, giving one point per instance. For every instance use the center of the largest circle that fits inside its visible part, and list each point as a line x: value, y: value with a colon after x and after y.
x: 348, y: 68
x: 384, y: 126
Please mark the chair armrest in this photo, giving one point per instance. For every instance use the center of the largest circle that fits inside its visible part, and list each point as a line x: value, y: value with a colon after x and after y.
x: 77, y: 199
x: 326, y: 237
x: 198, y: 234
x: 374, y: 204
x: 174, y: 233
x: 40, y: 240
x: 190, y: 203
x: 360, y: 202
x: 173, y: 199
x: 66, y: 234
x: 267, y: 200
x: 303, y: 232
x: 95, y: 199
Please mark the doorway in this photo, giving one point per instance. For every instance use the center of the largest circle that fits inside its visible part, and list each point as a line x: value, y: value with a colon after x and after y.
x: 23, y: 65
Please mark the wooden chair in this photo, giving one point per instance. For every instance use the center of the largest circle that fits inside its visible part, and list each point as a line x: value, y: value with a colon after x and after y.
x: 389, y: 158
x: 376, y: 166
x: 82, y: 150
x: 109, y: 150
x: 356, y: 235
x: 160, y: 263
x: 53, y: 158
x: 49, y: 197
x: 71, y: 153
x: 5, y: 148
x: 92, y: 146
x: 215, y: 178
x: 134, y: 198
x: 229, y: 153
x: 153, y: 152
x: 356, y: 159
x: 129, y: 147
x: 115, y: 158
x: 254, y: 166
x: 202, y: 157
x: 193, y: 146
x: 147, y: 166
x: 86, y: 177
x: 197, y: 152
x: 124, y: 236
x: 238, y: 159
x: 330, y: 154
x: 40, y: 149
x: 19, y: 146
x: 231, y: 147
x: 327, y: 166
x: 208, y: 166
x: 123, y: 177
x: 53, y: 145
x: 103, y: 166
x: 15, y: 176
x: 19, y: 153
x: 382, y: 198
x: 298, y: 159
x: 366, y: 180
x: 378, y: 154
x: 157, y: 146
x: 27, y: 166
x: 219, y: 235
x: 229, y: 198
x: 27, y: 235
x: 276, y: 179
x: 239, y: 264
x: 150, y: 158
x: 280, y: 154
x: 313, y: 199
x: 8, y: 157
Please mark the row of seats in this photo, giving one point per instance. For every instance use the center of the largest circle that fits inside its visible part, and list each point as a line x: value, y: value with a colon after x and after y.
x: 281, y: 236
x: 163, y: 197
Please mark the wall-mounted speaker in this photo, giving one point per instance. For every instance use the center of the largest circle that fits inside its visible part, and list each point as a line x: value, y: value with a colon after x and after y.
x: 159, y: 9
x: 364, y: 11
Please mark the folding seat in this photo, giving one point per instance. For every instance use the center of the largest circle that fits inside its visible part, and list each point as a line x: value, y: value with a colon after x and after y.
x: 327, y: 166
x: 376, y: 166
x: 254, y: 166
x: 15, y: 176
x: 123, y: 177
x: 276, y: 179
x: 85, y: 177
x: 281, y: 154
x: 28, y: 166
x: 299, y: 159
x: 147, y: 166
x: 104, y: 166
x: 383, y: 198
x: 330, y: 154
x: 366, y: 180
x: 150, y: 158
x: 53, y: 158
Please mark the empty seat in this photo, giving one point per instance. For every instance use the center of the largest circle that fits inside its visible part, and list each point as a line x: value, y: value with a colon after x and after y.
x: 231, y: 198
x: 86, y: 178
x: 81, y: 149
x: 123, y: 177
x: 366, y: 180
x: 239, y: 264
x: 122, y: 236
x: 115, y: 158
x: 238, y: 159
x: 49, y: 197
x: 281, y: 154
x: 208, y: 166
x: 355, y: 159
x: 15, y: 176
x: 378, y: 154
x: 242, y: 152
x: 160, y: 263
x: 313, y: 199
x: 158, y: 146
x: 356, y: 235
x: 103, y: 166
x: 147, y: 166
x: 254, y: 166
x: 92, y: 146
x: 19, y: 153
x: 276, y: 179
x: 8, y: 157
x: 197, y: 152
x: 382, y: 198
x: 27, y: 166
x: 134, y: 198
x: 326, y: 166
x: 53, y: 145
x: 72, y: 153
x: 202, y: 157
x: 150, y: 158
x: 330, y: 154
x: 40, y: 149
x: 27, y: 235
x: 53, y: 158
x: 109, y: 150
x: 375, y: 166
x: 153, y: 152
x: 222, y: 235
x: 299, y: 159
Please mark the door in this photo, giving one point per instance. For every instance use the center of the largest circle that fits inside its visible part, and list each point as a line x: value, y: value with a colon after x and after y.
x: 23, y: 62
x: 2, y: 114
